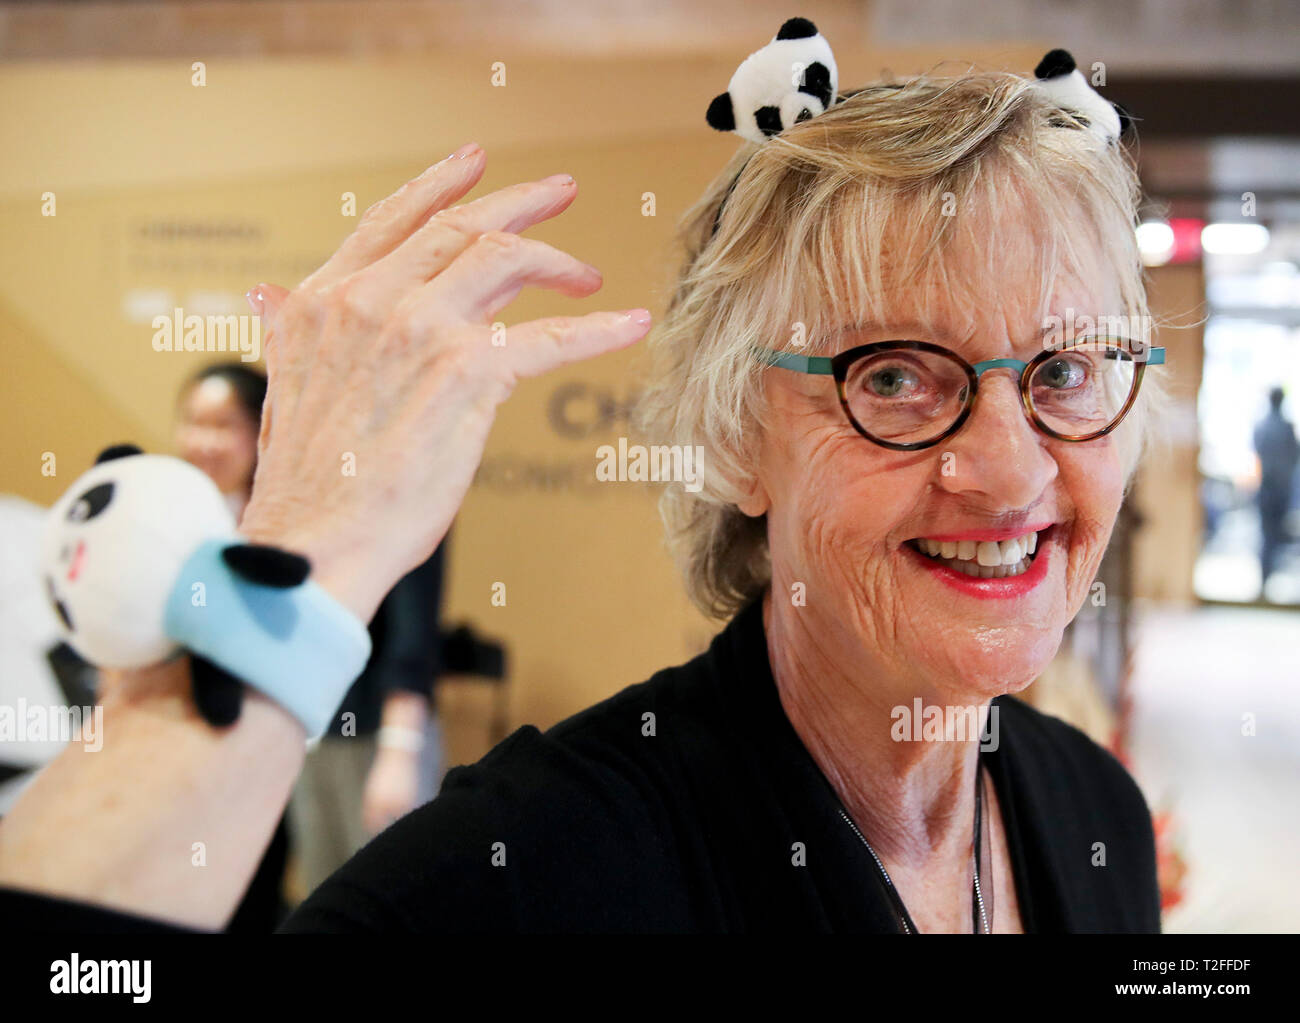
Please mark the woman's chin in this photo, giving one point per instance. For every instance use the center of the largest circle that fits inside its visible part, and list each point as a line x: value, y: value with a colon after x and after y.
x: 1001, y: 661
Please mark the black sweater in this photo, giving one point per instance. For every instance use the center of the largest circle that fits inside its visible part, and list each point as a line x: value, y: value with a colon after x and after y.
x: 405, y: 649
x: 676, y: 806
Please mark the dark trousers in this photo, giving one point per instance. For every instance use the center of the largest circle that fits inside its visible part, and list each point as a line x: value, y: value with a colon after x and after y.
x: 1272, y: 523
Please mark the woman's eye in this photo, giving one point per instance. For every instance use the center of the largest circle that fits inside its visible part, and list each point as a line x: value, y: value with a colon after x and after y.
x: 890, y: 381
x: 1061, y: 374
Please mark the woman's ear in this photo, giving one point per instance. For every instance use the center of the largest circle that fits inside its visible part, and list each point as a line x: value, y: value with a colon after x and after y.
x: 755, y: 502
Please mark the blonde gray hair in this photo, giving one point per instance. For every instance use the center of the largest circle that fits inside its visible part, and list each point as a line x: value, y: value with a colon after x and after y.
x: 821, y: 224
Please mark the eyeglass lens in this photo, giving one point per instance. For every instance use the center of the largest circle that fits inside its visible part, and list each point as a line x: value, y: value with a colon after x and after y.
x: 910, y: 396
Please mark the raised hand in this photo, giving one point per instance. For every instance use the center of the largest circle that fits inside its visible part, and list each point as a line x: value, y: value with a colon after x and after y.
x: 383, y: 360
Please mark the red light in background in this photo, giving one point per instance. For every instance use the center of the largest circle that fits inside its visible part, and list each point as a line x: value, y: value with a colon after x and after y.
x: 1187, y: 239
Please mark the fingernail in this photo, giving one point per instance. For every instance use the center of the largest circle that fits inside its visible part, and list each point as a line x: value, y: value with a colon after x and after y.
x: 468, y: 149
x: 253, y: 296
x: 638, y: 316
x: 559, y: 179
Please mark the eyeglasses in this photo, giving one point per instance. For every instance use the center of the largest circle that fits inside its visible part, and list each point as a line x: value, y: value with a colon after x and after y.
x: 909, y: 395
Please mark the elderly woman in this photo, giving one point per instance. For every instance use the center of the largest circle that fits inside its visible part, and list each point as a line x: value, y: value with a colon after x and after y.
x: 910, y: 485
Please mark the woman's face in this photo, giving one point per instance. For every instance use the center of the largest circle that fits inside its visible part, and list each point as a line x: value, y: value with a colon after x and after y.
x: 843, y: 514
x: 214, y: 433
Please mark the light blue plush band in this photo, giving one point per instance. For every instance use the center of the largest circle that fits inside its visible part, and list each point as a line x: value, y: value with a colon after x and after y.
x: 299, y: 646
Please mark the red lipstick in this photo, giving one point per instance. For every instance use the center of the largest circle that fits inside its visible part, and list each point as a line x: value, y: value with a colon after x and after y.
x: 1005, y: 588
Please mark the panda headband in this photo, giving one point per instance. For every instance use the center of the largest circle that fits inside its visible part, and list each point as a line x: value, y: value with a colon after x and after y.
x: 794, y: 78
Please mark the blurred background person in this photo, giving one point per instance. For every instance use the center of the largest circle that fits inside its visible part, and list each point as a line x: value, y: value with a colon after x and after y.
x: 1279, y: 452
x: 382, y: 755
x: 218, y: 418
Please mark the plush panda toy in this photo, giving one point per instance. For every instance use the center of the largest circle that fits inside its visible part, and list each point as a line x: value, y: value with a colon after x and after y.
x: 794, y: 77
x: 1063, y: 83
x: 114, y: 547
x: 789, y: 80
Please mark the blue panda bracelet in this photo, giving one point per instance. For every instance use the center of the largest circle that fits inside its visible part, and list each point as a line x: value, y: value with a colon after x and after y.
x: 297, y: 645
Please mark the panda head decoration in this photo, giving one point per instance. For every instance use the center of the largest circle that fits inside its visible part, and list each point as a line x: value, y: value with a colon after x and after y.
x: 1058, y: 78
x: 114, y: 548
x: 114, y: 545
x: 794, y: 78
x: 789, y: 80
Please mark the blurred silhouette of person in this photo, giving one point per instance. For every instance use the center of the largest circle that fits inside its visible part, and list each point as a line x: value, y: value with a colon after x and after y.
x: 1279, y: 452
x: 218, y: 419
x: 382, y: 755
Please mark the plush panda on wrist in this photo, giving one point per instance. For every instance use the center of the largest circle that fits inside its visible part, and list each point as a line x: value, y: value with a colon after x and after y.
x: 789, y: 80
x: 114, y: 547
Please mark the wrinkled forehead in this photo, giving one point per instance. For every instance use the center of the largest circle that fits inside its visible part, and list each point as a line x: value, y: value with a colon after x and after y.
x: 1015, y: 314
x: 995, y: 269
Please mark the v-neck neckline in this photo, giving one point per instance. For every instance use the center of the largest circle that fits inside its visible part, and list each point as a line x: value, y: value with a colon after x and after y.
x: 800, y: 773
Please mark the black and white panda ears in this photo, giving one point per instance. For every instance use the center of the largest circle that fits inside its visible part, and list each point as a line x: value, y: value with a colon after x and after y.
x: 1060, y: 79
x: 794, y: 77
x: 789, y: 80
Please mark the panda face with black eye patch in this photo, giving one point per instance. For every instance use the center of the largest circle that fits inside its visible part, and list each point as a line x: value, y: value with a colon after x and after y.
x: 789, y: 80
x: 113, y: 548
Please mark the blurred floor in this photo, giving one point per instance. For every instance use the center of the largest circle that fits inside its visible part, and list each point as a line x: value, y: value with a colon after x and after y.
x: 1198, y: 673
x: 1228, y: 568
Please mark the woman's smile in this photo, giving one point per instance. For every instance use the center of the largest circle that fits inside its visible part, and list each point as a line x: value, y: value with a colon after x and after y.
x: 987, y: 564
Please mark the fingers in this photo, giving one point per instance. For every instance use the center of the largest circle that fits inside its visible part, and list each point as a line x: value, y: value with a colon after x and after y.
x: 539, y: 346
x: 265, y: 300
x: 390, y: 221
x: 431, y: 248
x: 491, y: 272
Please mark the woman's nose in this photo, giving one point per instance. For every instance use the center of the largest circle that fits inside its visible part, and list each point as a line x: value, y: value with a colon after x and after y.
x: 998, y: 451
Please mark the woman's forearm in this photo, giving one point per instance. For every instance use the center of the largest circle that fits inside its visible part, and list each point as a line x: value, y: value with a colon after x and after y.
x: 170, y: 817
x: 386, y: 359
x: 403, y: 709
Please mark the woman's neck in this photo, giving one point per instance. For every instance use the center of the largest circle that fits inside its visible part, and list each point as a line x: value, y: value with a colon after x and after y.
x: 914, y: 800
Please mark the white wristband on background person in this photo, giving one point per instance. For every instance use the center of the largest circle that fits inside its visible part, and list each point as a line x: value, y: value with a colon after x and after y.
x: 410, y: 740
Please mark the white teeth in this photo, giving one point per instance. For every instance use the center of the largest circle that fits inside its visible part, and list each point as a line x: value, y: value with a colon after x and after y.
x: 983, y: 558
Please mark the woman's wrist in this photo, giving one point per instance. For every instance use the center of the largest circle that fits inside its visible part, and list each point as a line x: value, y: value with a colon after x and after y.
x: 339, y: 565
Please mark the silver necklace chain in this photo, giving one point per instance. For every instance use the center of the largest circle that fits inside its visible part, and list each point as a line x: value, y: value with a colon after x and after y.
x: 977, y: 890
